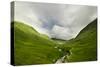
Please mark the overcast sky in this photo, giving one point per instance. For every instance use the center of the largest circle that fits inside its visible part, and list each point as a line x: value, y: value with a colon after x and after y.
x: 62, y: 21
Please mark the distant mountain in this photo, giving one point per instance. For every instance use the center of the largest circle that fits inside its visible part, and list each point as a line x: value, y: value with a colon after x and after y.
x: 31, y: 47
x: 84, y: 46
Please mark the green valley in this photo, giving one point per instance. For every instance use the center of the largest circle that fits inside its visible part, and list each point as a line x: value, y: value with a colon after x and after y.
x: 31, y: 47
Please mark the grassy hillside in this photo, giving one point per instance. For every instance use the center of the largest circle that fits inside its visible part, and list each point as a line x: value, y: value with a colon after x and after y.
x: 84, y: 46
x: 31, y: 47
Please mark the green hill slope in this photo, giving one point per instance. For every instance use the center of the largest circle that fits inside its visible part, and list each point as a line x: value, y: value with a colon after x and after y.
x: 31, y: 47
x: 84, y: 46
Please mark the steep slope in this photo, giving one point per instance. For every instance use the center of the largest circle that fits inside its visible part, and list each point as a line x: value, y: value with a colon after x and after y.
x: 31, y: 47
x: 84, y: 46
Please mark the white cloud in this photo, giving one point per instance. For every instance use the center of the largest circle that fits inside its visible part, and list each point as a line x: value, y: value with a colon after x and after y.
x: 61, y: 32
x: 56, y: 20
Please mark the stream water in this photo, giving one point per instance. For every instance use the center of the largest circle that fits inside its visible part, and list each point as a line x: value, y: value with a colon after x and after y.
x: 61, y: 60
